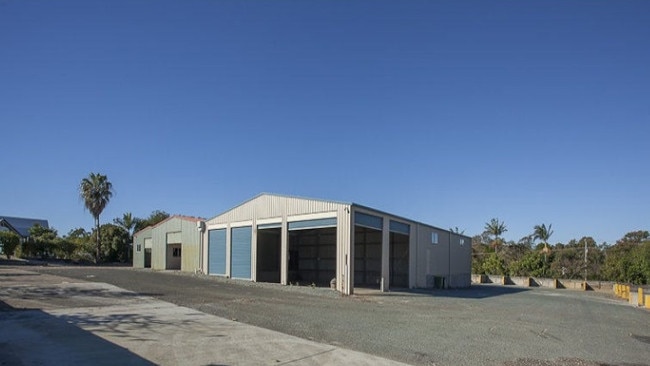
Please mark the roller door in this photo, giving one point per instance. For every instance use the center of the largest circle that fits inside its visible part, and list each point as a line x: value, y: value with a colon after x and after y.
x: 312, y: 224
x: 217, y: 252
x: 240, y: 238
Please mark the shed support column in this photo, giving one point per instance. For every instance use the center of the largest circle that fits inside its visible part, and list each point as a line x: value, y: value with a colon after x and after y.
x: 228, y: 252
x: 413, y: 249
x: 284, y: 250
x: 385, y: 255
x: 348, y: 261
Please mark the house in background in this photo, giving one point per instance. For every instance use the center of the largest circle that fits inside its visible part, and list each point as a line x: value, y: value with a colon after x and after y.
x: 171, y: 244
x: 20, y: 225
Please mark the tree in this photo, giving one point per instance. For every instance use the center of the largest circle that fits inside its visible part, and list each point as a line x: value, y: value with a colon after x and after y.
x: 128, y: 223
x: 494, y: 265
x: 9, y: 242
x: 83, y: 244
x: 629, y: 259
x: 96, y: 191
x: 154, y: 218
x: 531, y: 264
x: 114, y: 239
x: 456, y: 230
x: 543, y: 233
x: 496, y: 228
x: 41, y: 242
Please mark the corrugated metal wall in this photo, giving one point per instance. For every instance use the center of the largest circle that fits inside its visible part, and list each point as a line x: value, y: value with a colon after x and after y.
x: 189, y: 244
x: 138, y: 239
x: 461, y: 261
x: 283, y: 208
x: 435, y: 260
x: 190, y: 253
x: 268, y: 206
x: 427, y: 260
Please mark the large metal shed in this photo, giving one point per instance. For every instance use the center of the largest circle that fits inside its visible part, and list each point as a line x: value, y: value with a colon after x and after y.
x: 171, y: 244
x: 293, y: 240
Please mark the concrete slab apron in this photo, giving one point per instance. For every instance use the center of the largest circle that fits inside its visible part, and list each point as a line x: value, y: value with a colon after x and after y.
x: 154, y: 330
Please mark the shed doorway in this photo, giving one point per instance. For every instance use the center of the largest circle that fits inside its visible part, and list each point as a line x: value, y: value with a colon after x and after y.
x: 399, y: 260
x: 312, y: 252
x: 173, y: 256
x: 147, y: 258
x: 269, y: 243
x: 367, y: 257
x: 367, y: 250
x: 147, y: 252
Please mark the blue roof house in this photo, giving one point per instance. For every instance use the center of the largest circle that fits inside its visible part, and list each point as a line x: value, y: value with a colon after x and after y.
x: 20, y: 225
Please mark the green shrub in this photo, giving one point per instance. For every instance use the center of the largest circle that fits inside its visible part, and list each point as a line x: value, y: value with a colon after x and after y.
x: 9, y: 242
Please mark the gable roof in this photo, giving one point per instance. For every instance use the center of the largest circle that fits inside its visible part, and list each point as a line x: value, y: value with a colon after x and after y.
x: 180, y: 217
x: 352, y: 204
x: 21, y: 225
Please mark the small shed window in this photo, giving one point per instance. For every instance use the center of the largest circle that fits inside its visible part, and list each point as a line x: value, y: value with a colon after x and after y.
x: 462, y: 241
x: 138, y: 247
x: 434, y: 238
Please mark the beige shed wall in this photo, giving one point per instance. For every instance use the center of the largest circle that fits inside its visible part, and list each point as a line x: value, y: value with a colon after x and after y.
x: 426, y: 260
x: 281, y: 209
x: 160, y: 253
x: 435, y: 260
x: 138, y: 239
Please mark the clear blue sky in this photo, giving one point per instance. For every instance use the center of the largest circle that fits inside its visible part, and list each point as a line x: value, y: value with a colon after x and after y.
x: 447, y: 112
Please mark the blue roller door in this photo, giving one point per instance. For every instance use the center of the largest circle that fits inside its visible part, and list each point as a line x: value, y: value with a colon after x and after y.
x: 240, y: 238
x: 217, y: 252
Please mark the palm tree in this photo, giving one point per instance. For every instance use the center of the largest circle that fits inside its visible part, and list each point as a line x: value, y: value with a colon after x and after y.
x: 95, y: 190
x: 496, y: 228
x: 128, y: 222
x: 543, y: 233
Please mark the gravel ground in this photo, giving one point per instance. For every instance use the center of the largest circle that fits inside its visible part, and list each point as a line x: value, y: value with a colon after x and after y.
x: 484, y: 325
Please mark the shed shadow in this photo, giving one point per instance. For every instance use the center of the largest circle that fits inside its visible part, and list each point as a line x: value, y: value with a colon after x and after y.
x: 473, y: 292
x: 57, y: 341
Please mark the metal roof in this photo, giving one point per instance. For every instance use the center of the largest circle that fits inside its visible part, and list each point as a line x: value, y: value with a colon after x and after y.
x: 352, y: 204
x: 21, y: 225
x: 181, y: 217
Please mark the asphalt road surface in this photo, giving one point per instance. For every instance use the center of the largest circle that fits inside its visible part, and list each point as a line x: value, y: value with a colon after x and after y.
x: 483, y: 325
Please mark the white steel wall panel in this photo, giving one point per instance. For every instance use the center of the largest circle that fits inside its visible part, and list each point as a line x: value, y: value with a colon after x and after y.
x: 271, y: 206
x: 426, y: 259
x: 183, y: 231
x: 140, y: 238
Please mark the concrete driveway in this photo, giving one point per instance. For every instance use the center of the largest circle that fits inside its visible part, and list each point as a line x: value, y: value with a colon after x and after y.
x: 51, y: 320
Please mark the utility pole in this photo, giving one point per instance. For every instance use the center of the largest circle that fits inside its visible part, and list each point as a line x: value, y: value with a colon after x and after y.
x: 586, y: 263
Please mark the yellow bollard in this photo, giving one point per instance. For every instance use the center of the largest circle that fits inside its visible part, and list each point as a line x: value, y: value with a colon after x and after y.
x: 617, y: 289
x: 647, y: 301
x: 640, y: 298
x: 627, y: 292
